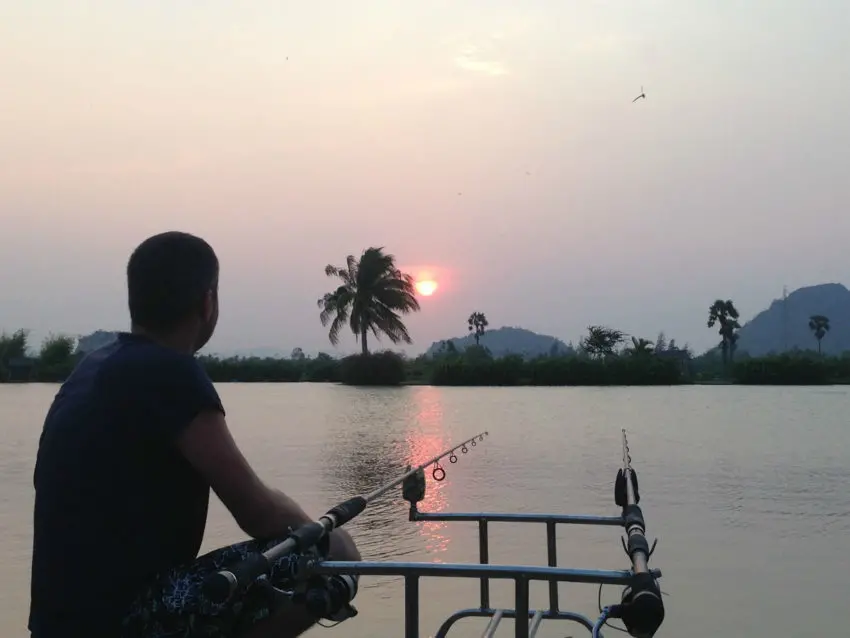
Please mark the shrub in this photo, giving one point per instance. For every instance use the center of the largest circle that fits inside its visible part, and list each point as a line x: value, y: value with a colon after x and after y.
x: 557, y: 371
x: 379, y: 368
x: 788, y: 369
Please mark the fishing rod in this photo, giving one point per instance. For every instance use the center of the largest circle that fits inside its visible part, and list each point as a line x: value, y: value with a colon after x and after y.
x: 641, y: 608
x: 221, y: 586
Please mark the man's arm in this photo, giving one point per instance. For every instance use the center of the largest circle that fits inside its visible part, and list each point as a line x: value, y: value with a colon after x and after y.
x: 260, y: 511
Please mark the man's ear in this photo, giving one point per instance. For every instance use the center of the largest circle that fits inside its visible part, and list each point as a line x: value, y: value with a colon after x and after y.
x: 209, y: 305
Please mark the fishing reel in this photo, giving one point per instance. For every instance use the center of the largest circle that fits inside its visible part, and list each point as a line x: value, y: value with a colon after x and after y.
x: 326, y: 597
x: 640, y: 609
x: 329, y: 597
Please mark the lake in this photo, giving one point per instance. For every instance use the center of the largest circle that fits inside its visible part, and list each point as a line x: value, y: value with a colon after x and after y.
x: 748, y: 489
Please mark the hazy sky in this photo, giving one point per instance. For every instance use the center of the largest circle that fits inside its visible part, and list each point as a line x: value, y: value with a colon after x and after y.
x: 290, y: 134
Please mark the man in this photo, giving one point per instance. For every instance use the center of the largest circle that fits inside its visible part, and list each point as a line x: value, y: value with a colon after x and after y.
x: 131, y: 446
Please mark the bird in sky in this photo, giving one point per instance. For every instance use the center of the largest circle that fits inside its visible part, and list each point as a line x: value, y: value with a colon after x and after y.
x: 642, y: 95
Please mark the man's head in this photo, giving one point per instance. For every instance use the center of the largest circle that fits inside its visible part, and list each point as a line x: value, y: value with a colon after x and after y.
x: 172, y: 285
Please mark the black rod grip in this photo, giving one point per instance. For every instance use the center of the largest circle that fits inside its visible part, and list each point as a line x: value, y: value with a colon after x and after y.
x: 347, y: 510
x: 221, y: 586
x: 305, y: 537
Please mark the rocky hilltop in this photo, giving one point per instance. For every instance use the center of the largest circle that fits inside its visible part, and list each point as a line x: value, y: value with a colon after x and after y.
x: 506, y: 340
x: 784, y: 325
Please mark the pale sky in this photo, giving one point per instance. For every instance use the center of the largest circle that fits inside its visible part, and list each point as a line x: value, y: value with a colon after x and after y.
x: 414, y: 126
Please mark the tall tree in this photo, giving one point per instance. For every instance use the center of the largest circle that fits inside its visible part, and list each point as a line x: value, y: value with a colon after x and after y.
x: 725, y: 315
x: 372, y: 296
x: 477, y: 325
x: 819, y: 325
x: 57, y: 350
x: 601, y: 341
x: 13, y: 346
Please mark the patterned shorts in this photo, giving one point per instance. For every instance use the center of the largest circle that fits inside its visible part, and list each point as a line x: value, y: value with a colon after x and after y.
x: 174, y: 606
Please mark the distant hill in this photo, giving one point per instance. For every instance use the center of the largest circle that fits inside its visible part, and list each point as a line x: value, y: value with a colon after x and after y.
x: 100, y: 338
x: 766, y: 332
x: 506, y: 340
x: 95, y: 340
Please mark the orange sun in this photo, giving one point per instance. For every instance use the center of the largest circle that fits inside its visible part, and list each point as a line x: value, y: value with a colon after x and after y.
x: 426, y: 287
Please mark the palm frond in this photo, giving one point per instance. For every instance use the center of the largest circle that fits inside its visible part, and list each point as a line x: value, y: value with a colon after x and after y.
x: 391, y: 325
x: 335, y: 303
x: 339, y: 321
x: 373, y: 295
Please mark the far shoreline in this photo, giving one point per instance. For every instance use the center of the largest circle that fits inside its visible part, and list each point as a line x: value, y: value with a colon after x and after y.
x: 415, y: 383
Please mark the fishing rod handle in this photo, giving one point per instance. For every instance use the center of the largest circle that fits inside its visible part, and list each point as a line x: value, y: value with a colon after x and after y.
x: 223, y: 585
x: 345, y: 511
x: 311, y: 534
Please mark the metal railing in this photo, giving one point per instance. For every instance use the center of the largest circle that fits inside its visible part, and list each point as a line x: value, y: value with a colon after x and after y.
x: 521, y: 575
x: 327, y: 587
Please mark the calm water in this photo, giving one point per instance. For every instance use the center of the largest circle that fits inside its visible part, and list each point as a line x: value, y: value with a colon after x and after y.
x: 747, y: 488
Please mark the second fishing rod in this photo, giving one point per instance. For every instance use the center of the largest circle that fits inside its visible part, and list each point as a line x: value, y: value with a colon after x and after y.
x: 641, y: 608
x: 221, y: 586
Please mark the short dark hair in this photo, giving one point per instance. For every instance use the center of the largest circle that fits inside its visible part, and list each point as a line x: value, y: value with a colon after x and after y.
x: 168, y: 276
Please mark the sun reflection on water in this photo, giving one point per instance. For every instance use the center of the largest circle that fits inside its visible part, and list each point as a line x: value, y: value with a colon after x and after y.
x: 426, y: 441
x: 378, y: 438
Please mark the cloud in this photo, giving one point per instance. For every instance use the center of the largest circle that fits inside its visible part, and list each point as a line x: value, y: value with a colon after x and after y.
x: 470, y: 59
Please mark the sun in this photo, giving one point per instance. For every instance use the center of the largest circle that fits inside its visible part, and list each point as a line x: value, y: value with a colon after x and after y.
x: 426, y: 287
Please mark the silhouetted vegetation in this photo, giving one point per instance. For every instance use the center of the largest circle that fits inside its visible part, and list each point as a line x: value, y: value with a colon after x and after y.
x: 726, y: 316
x: 56, y: 358
x: 575, y: 370
x: 601, y: 341
x: 322, y: 368
x: 819, y: 325
x: 372, y: 294
x: 55, y: 361
x: 795, y: 368
x: 13, y: 346
x: 637, y: 364
x: 380, y: 368
x: 477, y: 325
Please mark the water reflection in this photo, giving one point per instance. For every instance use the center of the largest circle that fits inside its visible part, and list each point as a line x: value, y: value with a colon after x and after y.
x: 789, y: 471
x: 371, y: 446
x: 425, y: 442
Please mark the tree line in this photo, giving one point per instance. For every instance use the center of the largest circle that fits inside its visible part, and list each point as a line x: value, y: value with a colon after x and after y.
x: 371, y: 297
x: 54, y: 361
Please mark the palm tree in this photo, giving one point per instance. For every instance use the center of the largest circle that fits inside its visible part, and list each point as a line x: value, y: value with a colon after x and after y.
x: 478, y: 322
x: 726, y: 315
x: 640, y: 347
x: 372, y: 294
x: 819, y: 325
